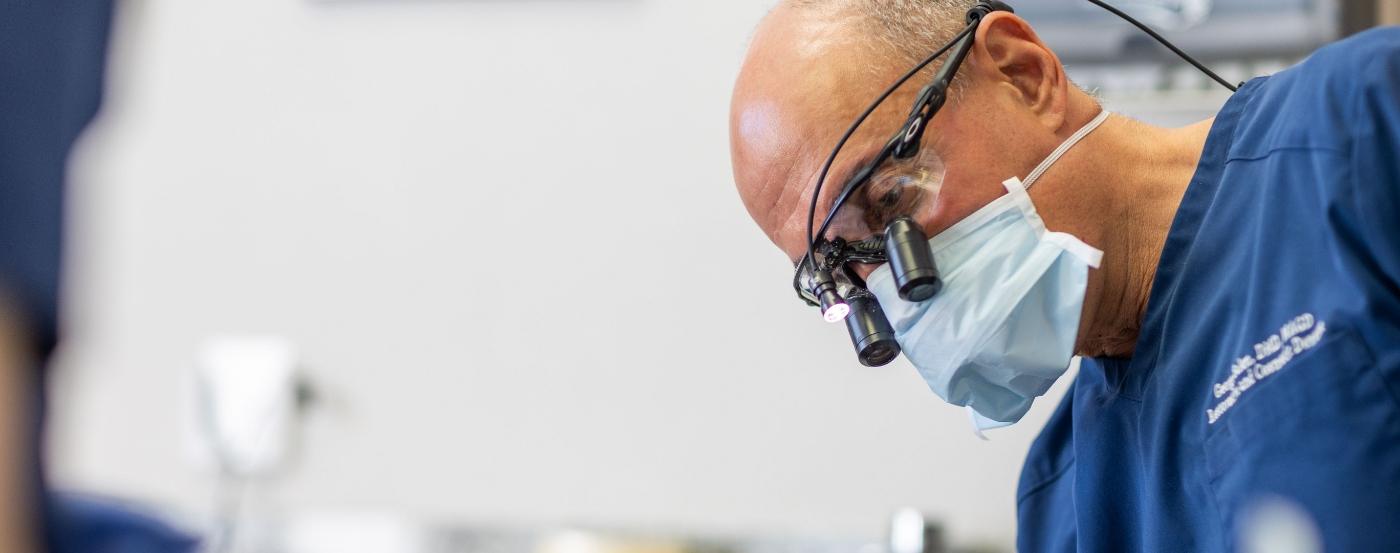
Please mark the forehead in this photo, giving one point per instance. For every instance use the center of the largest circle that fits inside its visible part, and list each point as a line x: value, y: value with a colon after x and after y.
x: 805, y: 79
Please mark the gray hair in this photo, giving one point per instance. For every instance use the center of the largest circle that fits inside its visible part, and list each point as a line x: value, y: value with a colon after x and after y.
x: 907, y: 30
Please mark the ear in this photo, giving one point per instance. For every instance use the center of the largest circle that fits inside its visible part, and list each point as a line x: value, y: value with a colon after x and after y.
x: 1009, y: 56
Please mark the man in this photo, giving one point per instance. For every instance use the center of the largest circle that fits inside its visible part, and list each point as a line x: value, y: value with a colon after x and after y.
x: 1240, y: 318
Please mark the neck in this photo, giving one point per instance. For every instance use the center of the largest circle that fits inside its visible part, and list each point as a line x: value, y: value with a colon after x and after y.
x: 1129, y: 179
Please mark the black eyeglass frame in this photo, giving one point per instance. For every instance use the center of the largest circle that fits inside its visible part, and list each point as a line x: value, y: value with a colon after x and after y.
x: 838, y: 255
x: 902, y: 145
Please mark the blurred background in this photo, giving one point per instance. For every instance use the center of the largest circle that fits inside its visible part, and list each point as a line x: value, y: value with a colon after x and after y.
x: 477, y: 268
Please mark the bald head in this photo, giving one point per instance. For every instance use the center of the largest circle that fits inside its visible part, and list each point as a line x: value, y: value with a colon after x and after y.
x: 812, y: 67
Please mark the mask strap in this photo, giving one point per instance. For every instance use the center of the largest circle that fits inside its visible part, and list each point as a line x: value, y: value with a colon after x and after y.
x: 1060, y: 151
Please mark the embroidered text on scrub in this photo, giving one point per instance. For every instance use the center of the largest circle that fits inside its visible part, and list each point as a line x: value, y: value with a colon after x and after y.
x: 1293, y: 338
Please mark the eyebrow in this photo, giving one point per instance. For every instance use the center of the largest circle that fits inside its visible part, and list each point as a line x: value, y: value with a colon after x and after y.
x: 858, y: 166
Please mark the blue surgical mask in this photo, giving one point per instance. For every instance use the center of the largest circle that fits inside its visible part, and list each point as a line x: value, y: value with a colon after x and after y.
x: 1003, y: 328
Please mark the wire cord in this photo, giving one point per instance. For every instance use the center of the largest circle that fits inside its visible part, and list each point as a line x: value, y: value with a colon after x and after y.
x: 1159, y: 38
x: 830, y: 160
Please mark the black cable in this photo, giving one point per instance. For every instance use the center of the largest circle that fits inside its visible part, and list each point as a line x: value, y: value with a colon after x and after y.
x: 931, y: 100
x: 830, y: 160
x: 1165, y: 42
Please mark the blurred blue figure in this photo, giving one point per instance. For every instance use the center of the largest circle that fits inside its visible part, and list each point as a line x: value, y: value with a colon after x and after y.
x: 52, y: 54
x: 93, y: 525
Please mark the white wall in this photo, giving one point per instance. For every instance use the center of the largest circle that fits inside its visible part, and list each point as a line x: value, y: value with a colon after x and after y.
x: 505, y: 234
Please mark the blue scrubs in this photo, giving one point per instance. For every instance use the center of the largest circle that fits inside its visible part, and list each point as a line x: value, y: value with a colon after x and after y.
x: 1268, y: 369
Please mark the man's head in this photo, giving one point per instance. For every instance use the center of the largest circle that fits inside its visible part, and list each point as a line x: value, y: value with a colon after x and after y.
x: 814, y: 65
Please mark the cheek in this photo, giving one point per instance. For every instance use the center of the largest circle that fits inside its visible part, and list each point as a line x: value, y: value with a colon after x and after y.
x: 791, y: 237
x: 965, y: 190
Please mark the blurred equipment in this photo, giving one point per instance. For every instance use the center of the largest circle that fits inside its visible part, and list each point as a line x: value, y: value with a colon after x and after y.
x: 1359, y: 15
x: 246, y: 390
x: 355, y: 533
x: 372, y: 532
x: 583, y: 542
x: 910, y: 532
x: 1239, y: 39
x: 1215, y: 30
x: 248, y: 401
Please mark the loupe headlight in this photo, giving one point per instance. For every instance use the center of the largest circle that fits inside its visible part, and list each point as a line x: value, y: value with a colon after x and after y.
x: 834, y: 307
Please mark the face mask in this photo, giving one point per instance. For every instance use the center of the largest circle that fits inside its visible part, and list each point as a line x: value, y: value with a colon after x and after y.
x: 1003, y: 328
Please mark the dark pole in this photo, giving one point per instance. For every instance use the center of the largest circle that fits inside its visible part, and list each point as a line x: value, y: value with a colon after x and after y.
x: 1358, y: 15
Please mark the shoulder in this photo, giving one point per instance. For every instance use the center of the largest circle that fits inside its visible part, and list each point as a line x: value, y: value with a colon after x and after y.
x: 1323, y: 102
x: 1347, y: 68
x: 1376, y: 100
x: 1360, y: 51
x: 1361, y: 74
